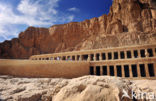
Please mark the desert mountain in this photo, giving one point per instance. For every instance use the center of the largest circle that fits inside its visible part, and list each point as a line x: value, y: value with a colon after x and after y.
x: 129, y: 22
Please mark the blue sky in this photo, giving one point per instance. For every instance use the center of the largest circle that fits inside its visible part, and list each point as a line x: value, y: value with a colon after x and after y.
x: 17, y: 15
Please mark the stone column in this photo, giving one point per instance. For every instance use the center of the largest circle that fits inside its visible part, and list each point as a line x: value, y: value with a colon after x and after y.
x: 60, y: 58
x: 119, y: 57
x: 146, y: 53
x: 130, y: 71
x: 125, y: 53
x: 122, y: 69
x: 101, y: 70
x: 75, y: 57
x: 80, y: 58
x: 100, y: 56
x: 112, y: 55
x: 139, y: 54
x: 115, y: 71
x: 132, y: 53
x: 66, y: 57
x: 108, y: 70
x: 89, y: 57
x: 153, y: 50
x: 138, y: 70
x: 146, y: 70
x: 94, y: 57
x: 106, y: 54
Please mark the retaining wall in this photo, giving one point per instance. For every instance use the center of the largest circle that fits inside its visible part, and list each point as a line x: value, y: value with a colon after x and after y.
x: 54, y: 69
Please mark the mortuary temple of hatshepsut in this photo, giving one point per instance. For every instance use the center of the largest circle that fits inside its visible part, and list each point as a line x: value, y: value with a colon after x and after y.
x: 131, y: 62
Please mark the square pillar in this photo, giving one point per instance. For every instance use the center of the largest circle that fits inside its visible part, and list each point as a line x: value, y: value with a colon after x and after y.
x: 139, y: 54
x: 89, y: 57
x: 119, y: 55
x: 80, y: 58
x: 66, y: 57
x: 94, y: 57
x: 132, y: 53
x: 125, y: 52
x: 146, y: 70
x: 138, y: 70
x: 153, y: 50
x: 106, y: 54
x: 100, y: 56
x: 101, y: 70
x: 122, y: 69
x: 75, y: 57
x: 146, y: 53
x: 108, y: 70
x: 130, y: 71
x: 112, y: 55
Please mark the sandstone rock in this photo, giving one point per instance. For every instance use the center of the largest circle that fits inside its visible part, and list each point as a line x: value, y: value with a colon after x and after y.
x: 129, y: 22
x: 87, y: 88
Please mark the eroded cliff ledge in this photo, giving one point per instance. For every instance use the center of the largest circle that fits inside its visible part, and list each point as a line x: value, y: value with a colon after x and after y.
x: 129, y: 22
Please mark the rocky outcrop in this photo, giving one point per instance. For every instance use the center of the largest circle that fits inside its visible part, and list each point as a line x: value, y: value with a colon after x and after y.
x: 87, y: 88
x: 129, y: 22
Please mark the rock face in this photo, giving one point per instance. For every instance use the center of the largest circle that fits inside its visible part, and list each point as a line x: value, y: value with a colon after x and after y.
x: 129, y: 22
x: 87, y: 88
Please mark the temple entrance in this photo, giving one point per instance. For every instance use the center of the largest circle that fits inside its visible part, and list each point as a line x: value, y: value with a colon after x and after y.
x: 129, y: 55
x: 98, y: 70
x: 91, y: 70
x: 92, y: 57
x: 73, y: 58
x: 119, y: 72
x: 151, y: 70
x: 150, y: 52
x: 142, y: 70
x: 122, y: 55
x: 103, y: 56
x: 78, y: 57
x: 111, y: 68
x: 134, y: 70
x: 109, y: 56
x: 85, y: 57
x: 126, y: 69
x: 104, y: 70
x: 97, y: 57
x: 116, y: 55
x: 63, y: 58
x: 135, y: 54
x: 142, y: 52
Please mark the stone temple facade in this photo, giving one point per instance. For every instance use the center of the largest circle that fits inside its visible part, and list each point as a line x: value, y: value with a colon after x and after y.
x: 132, y: 61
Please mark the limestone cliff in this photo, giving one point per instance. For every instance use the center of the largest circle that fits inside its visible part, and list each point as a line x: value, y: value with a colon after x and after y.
x: 129, y: 22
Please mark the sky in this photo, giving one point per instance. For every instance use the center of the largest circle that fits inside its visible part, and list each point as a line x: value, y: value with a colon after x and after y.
x: 17, y: 15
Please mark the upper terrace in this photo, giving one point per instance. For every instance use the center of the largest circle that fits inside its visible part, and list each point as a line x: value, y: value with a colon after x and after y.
x: 128, y: 52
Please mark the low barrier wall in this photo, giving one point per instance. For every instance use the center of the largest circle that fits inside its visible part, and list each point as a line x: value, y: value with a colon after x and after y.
x: 34, y: 68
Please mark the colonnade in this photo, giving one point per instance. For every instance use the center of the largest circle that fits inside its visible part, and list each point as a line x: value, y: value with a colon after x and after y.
x: 125, y: 70
x: 134, y: 61
x: 101, y: 55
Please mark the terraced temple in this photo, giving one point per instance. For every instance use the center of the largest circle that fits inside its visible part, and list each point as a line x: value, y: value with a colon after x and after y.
x: 133, y: 61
